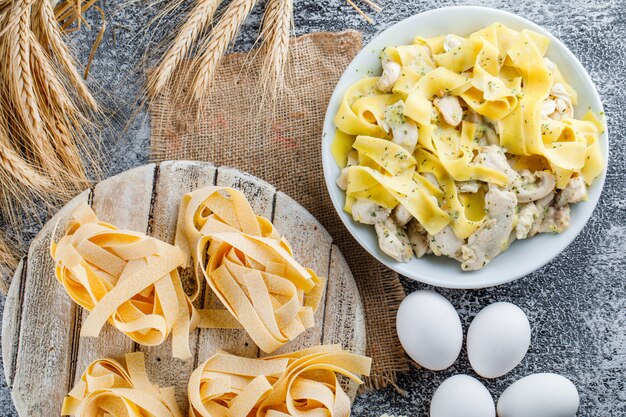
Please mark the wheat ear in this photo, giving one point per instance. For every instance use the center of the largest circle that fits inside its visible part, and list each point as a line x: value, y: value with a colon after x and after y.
x: 21, y: 75
x: 213, y: 49
x: 52, y: 32
x: 275, y: 31
x: 197, y: 21
x: 49, y: 83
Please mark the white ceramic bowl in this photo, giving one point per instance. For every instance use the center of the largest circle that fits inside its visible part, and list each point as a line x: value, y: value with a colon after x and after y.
x: 523, y: 257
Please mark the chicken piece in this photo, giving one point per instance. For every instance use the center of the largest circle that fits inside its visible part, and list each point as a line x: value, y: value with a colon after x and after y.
x: 558, y: 105
x: 342, y: 179
x: 547, y: 108
x: 555, y: 220
x: 417, y: 238
x: 471, y: 186
x: 451, y: 41
x: 575, y: 191
x: 527, y: 186
x: 492, y: 237
x: 403, y: 129
x: 550, y: 66
x: 391, y: 72
x: 473, y: 117
x: 367, y: 212
x: 432, y: 179
x: 353, y: 158
x: 401, y: 215
x: 542, y: 207
x: 533, y: 186
x: 393, y: 240
x: 486, y: 133
x: 493, y: 157
x: 526, y: 218
x: 450, y: 109
x: 491, y: 135
x: 446, y: 243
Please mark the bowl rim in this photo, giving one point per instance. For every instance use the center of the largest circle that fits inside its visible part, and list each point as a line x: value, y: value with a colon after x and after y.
x: 327, y: 137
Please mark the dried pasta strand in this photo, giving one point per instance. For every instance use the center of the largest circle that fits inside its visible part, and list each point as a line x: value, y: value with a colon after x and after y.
x: 108, y: 388
x: 302, y: 383
x: 126, y: 278
x: 248, y: 265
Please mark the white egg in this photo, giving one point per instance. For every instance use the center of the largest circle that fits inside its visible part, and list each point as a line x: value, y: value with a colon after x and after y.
x: 429, y: 329
x: 462, y: 395
x: 539, y: 395
x: 498, y: 339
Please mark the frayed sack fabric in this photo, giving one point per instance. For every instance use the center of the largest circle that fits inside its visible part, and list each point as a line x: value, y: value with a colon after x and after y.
x: 281, y: 143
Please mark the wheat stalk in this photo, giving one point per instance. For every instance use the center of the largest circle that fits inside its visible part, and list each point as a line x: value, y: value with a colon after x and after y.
x: 8, y: 263
x: 15, y: 168
x: 221, y: 36
x: 197, y: 21
x: 44, y: 112
x: 275, y: 31
x: 370, y: 3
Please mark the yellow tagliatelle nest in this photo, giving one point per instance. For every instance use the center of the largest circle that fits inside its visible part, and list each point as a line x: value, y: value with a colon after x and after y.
x: 108, y: 389
x: 126, y: 278
x: 302, y: 383
x: 248, y: 265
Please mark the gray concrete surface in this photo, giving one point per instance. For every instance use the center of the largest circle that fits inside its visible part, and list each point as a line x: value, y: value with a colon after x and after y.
x: 576, y: 304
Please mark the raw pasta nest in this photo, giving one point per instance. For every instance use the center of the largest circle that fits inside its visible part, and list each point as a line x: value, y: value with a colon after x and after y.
x: 249, y: 266
x: 132, y: 281
x: 298, y: 384
x: 126, y: 278
x: 107, y: 388
x: 426, y: 131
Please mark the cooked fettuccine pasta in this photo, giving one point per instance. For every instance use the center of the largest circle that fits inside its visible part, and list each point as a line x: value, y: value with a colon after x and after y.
x: 463, y: 145
x: 302, y: 383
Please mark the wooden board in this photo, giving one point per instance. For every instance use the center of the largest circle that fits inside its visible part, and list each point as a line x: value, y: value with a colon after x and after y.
x: 42, y: 352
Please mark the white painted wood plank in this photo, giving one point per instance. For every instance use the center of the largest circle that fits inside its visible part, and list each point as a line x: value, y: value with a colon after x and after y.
x: 47, y: 328
x: 344, y: 321
x: 11, y: 323
x: 174, y: 179
x: 311, y: 246
x: 124, y: 201
x: 236, y: 341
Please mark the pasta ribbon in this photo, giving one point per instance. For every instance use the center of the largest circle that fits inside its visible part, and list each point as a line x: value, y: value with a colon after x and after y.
x: 126, y: 278
x: 456, y: 152
x: 359, y: 120
x: 391, y: 157
x: 107, y: 388
x: 439, y: 81
x: 464, y: 220
x: 388, y: 191
x: 298, y: 384
x: 415, y: 61
x: 248, y: 265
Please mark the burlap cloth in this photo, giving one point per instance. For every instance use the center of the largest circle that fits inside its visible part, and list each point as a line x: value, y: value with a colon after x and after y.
x: 282, y: 145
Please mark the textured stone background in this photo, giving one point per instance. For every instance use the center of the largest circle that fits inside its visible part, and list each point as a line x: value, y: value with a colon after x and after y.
x: 576, y: 304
